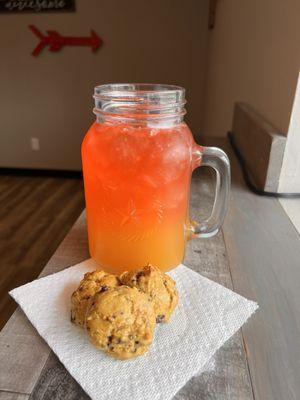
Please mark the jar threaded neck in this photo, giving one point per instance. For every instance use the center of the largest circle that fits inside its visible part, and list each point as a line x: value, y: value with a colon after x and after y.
x: 140, y: 103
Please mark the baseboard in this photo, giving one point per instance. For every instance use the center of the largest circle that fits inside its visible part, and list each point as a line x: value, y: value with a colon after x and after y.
x: 41, y: 172
x: 261, y: 146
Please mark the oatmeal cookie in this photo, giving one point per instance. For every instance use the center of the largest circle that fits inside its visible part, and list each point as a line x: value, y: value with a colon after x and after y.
x: 91, y: 283
x: 121, y: 322
x: 158, y: 286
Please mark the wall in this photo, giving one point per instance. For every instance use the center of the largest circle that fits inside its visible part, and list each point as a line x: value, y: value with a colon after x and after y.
x: 253, y: 56
x: 49, y: 97
x: 290, y: 172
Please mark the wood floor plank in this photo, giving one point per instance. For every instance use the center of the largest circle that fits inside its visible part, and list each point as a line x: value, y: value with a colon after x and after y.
x: 34, y: 218
x: 264, y: 254
x: 25, y: 192
x: 11, y: 189
x: 49, y: 236
x: 41, y: 211
x: 33, y: 194
x: 17, y: 183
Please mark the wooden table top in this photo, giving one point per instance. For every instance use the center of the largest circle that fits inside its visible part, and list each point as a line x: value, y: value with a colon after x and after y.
x: 257, y: 253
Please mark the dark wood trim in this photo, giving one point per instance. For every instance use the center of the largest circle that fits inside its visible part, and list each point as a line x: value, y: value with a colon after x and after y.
x: 41, y: 172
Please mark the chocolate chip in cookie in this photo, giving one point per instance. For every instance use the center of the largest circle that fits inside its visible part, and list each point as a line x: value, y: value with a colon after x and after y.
x: 83, y: 296
x: 121, y: 322
x: 160, y: 288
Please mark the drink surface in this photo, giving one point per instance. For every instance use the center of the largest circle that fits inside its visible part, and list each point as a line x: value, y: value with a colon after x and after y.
x: 137, y: 182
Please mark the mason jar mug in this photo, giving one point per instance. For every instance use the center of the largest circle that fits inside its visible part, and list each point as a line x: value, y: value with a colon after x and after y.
x: 138, y: 157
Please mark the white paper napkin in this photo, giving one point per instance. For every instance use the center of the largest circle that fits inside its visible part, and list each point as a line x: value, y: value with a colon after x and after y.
x: 207, y: 315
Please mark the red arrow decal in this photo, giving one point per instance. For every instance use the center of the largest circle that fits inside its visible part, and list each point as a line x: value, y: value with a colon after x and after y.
x: 55, y: 41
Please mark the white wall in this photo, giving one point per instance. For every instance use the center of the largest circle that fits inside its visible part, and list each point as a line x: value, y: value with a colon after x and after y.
x: 253, y: 56
x: 50, y: 97
x: 290, y: 173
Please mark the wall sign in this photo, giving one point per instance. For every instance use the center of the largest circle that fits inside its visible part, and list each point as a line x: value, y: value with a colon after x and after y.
x: 19, y: 6
x: 55, y: 41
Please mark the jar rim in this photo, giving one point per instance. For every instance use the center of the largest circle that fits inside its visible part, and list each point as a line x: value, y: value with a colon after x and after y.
x: 139, y: 101
x: 113, y: 89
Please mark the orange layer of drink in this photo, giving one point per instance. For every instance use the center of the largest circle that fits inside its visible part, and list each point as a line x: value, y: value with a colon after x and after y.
x: 137, y: 186
x: 138, y: 159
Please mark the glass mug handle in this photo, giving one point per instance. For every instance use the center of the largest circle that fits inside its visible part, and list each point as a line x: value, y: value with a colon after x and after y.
x: 215, y: 158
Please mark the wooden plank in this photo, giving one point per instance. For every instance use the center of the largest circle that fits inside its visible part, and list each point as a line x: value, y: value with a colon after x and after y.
x: 56, y: 383
x: 32, y: 224
x: 13, y: 396
x: 230, y: 379
x: 264, y: 254
x: 23, y: 367
x: 9, y: 188
x: 72, y: 250
x: 261, y: 144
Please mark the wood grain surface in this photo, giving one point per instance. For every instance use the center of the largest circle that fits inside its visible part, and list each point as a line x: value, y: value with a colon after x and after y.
x: 13, y: 396
x: 230, y: 378
x: 258, y: 251
x: 264, y: 254
x: 35, y: 215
